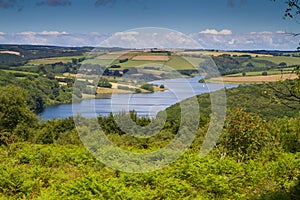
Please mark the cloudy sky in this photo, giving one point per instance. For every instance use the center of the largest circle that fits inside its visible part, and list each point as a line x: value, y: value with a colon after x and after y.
x: 214, y: 24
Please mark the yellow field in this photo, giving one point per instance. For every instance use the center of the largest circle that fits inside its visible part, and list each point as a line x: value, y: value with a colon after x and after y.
x: 254, y: 79
x: 151, y: 58
x: 11, y: 52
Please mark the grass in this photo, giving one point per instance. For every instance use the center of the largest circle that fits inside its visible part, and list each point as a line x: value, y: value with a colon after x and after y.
x: 278, y: 59
x: 259, y: 73
x: 255, y: 63
x: 176, y: 62
x: 101, y: 62
x: 45, y: 61
x: 218, y: 53
x: 179, y: 63
x: 152, y: 58
x: 28, y: 68
x: 137, y: 63
x: 119, y: 55
x: 20, y: 72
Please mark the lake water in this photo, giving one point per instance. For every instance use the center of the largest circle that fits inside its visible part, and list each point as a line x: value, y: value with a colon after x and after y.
x: 145, y: 104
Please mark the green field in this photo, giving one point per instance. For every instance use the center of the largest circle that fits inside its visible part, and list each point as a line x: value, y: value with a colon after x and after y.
x: 176, y: 62
x: 27, y: 68
x: 98, y: 62
x: 256, y: 63
x: 20, y: 72
x: 45, y: 61
x: 179, y: 63
x: 278, y: 59
x: 218, y: 53
x: 126, y: 65
x: 259, y: 73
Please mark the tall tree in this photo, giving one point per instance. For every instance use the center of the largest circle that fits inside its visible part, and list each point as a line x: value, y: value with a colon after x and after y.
x: 14, y: 109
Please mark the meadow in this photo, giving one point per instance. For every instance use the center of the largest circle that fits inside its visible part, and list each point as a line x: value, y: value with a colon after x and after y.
x: 218, y: 53
x: 279, y: 59
x: 52, y: 60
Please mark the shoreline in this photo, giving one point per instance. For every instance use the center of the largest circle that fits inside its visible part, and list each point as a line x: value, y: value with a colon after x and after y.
x: 102, y: 92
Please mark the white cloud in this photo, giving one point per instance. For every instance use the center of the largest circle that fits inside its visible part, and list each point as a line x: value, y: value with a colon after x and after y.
x: 26, y: 33
x: 150, y: 38
x: 215, y: 32
x: 246, y: 41
x: 126, y: 33
x: 208, y: 39
x: 53, y: 38
x: 262, y: 33
x: 52, y: 33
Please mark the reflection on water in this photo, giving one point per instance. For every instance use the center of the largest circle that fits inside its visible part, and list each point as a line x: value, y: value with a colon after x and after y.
x: 145, y: 104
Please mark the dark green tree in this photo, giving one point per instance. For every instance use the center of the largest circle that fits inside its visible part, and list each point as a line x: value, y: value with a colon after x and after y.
x: 148, y: 87
x: 103, y: 82
x: 16, y: 118
x: 282, y: 64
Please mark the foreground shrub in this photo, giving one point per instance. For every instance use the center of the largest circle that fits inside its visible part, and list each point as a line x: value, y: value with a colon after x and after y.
x: 245, y: 135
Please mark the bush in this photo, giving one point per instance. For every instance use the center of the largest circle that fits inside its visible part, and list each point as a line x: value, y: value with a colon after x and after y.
x: 138, y: 90
x: 115, y: 66
x: 103, y: 82
x: 202, y: 80
x: 245, y: 135
x: 123, y: 60
x: 122, y: 87
x: 148, y: 87
x: 264, y: 73
x: 7, y: 138
x: 288, y: 133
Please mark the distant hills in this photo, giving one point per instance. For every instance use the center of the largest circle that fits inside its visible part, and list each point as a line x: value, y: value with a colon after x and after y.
x: 14, y: 55
x: 17, y: 55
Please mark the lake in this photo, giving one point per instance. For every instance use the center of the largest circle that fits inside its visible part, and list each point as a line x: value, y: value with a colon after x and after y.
x: 145, y: 104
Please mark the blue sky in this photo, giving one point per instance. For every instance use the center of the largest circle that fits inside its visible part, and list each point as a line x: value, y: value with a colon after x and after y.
x: 44, y: 21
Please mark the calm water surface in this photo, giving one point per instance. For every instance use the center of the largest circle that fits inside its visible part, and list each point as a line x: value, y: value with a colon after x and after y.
x: 145, y: 104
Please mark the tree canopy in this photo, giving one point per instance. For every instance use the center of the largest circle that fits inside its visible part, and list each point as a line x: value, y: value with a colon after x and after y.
x: 14, y: 109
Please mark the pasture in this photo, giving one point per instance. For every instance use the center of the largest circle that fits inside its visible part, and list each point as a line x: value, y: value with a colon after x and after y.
x: 46, y: 61
x: 278, y: 59
x: 145, y: 58
x: 218, y: 53
x: 15, y: 72
x: 179, y: 63
x: 269, y: 72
